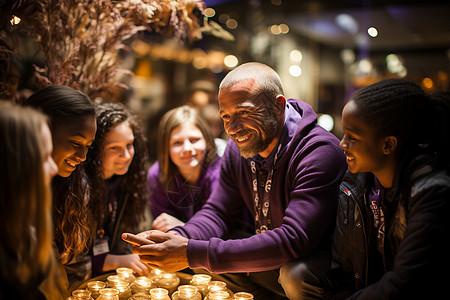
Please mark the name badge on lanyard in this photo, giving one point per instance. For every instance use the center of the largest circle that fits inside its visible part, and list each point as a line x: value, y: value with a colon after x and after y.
x: 101, y: 243
x: 262, y: 216
x: 101, y: 247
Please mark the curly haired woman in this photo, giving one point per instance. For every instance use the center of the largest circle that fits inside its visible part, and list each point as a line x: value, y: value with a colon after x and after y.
x: 118, y: 160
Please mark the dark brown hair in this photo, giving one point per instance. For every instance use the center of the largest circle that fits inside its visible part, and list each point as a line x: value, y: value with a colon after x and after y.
x: 133, y: 183
x: 63, y: 105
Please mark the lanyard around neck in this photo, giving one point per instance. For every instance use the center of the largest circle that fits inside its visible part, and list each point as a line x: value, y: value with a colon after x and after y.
x: 262, y: 217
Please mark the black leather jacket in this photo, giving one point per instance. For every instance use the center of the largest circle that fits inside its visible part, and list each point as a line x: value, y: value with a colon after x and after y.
x: 416, y: 249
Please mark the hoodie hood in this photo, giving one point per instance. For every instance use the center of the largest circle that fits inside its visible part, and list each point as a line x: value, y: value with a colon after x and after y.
x: 299, y: 120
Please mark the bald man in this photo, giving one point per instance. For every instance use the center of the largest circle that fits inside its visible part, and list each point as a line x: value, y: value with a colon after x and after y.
x: 279, y: 164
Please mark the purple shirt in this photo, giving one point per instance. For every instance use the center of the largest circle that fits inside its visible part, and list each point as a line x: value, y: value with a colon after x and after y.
x: 184, y: 199
x: 303, y: 200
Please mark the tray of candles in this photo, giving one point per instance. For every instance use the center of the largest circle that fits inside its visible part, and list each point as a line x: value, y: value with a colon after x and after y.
x: 158, y: 285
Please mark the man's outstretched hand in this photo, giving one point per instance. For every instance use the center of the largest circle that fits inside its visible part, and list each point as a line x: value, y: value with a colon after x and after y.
x: 162, y: 250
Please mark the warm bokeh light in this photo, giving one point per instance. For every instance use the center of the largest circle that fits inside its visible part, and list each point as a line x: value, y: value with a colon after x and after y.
x: 296, y: 55
x: 210, y: 12
x: 224, y: 18
x: 15, y: 20
x: 372, y: 31
x: 230, y: 61
x: 231, y: 23
x: 347, y: 56
x: 279, y: 29
x: 365, y: 66
x: 427, y: 83
x: 295, y: 71
x: 326, y: 121
x: 275, y: 29
x: 200, y: 62
x: 284, y: 28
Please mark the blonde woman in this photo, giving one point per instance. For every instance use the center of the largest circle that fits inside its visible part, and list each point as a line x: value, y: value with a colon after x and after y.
x: 26, y: 254
x: 187, y: 168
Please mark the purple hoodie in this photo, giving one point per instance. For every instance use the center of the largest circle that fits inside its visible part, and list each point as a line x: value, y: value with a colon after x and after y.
x: 183, y: 200
x: 303, y: 200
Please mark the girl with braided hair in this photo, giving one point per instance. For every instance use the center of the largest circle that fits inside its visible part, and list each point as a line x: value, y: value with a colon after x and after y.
x: 394, y: 206
x: 118, y: 160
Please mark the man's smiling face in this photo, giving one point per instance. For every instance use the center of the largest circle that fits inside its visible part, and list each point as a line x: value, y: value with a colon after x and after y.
x: 247, y: 118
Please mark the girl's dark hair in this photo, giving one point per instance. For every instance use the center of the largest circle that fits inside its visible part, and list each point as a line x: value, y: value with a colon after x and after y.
x: 133, y: 183
x: 401, y: 108
x: 64, y: 105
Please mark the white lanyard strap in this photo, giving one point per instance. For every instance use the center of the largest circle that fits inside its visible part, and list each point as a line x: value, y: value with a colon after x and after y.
x: 262, y: 216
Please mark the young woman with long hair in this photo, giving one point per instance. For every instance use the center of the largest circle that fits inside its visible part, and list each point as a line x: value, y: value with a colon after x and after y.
x: 187, y: 168
x: 73, y: 126
x: 119, y: 161
x: 26, y: 253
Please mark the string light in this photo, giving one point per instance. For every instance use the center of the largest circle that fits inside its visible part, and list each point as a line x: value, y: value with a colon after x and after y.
x: 15, y: 20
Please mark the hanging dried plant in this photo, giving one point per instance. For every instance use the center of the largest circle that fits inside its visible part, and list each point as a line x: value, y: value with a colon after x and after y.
x: 81, y: 40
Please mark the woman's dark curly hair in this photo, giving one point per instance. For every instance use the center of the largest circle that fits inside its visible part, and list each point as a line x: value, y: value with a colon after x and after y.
x: 133, y: 182
x: 64, y: 105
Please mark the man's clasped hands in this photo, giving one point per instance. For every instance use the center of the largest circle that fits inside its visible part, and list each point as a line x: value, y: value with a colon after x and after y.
x: 162, y: 250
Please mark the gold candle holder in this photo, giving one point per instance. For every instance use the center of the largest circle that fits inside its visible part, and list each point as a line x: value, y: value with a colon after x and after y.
x: 118, y: 282
x: 159, y: 294
x: 81, y: 295
x: 94, y: 287
x: 243, y: 296
x: 142, y: 284
x: 187, y: 292
x: 217, y: 286
x: 124, y: 290
x: 108, y: 294
x: 218, y: 295
x: 168, y: 281
x: 154, y: 273
x: 201, y: 281
x: 126, y: 273
x: 140, y: 296
x: 112, y: 280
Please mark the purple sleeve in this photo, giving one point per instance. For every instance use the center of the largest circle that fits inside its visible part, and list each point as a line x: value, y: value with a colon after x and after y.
x: 312, y: 184
x: 159, y: 203
x: 224, y: 202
